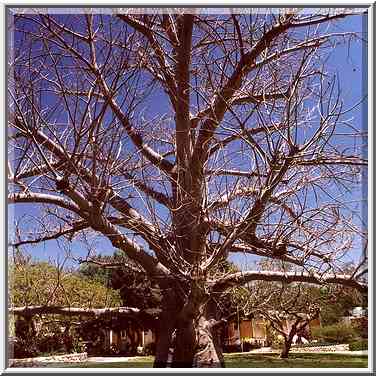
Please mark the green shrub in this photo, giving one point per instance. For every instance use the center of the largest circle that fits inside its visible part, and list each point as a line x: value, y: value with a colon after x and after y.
x: 277, y: 343
x: 78, y: 345
x: 358, y: 345
x: 150, y: 349
x: 337, y: 333
x: 232, y: 348
x: 248, y: 346
x: 361, y: 326
x: 23, y: 349
x: 275, y: 339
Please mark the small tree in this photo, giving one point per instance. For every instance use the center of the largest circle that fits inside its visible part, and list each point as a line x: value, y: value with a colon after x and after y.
x: 35, y: 285
x: 43, y: 284
x: 289, y: 309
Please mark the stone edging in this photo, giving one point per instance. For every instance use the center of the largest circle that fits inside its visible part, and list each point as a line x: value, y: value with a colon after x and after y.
x: 333, y: 348
x: 35, y: 362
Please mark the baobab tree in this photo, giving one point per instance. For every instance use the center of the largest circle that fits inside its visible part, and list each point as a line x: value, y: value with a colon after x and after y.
x: 182, y: 137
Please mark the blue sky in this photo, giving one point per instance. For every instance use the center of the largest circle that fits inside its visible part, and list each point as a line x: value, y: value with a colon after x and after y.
x: 346, y: 60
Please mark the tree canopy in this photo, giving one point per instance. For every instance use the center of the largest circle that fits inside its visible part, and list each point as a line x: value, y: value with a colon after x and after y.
x: 42, y: 284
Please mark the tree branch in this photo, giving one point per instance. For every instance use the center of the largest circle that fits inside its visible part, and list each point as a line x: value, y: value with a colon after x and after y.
x: 259, y: 98
x: 220, y: 103
x: 160, y: 55
x: 44, y: 198
x: 156, y: 195
x: 240, y: 278
x: 136, y: 222
x: 80, y: 225
x: 145, y: 149
x: 73, y: 311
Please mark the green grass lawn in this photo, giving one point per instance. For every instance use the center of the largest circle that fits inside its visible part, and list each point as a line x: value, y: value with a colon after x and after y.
x: 307, y: 360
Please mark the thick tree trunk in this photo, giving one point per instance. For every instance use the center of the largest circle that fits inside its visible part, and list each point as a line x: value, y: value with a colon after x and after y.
x: 163, y: 342
x: 208, y: 351
x: 286, y: 348
x: 165, y: 326
x: 184, y: 345
x: 197, y: 344
x: 186, y: 326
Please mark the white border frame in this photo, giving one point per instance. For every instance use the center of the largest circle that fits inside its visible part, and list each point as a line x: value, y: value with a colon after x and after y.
x: 190, y: 3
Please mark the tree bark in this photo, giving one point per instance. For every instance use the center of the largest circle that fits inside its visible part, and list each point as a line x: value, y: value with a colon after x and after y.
x: 286, y: 347
x: 165, y: 327
x: 163, y: 341
x: 208, y: 353
x: 184, y: 345
x: 194, y: 340
x: 197, y: 345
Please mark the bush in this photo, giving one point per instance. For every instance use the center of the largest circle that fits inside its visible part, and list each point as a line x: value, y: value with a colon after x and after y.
x: 23, y: 349
x: 78, y: 345
x: 358, y: 345
x: 248, y: 346
x: 338, y: 333
x: 150, y: 349
x: 361, y: 326
x: 50, y: 339
x: 232, y: 348
x: 275, y: 339
x: 49, y: 345
x: 278, y: 343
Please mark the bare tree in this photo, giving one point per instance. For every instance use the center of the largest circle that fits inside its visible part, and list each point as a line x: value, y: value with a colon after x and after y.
x: 288, y: 309
x: 182, y: 137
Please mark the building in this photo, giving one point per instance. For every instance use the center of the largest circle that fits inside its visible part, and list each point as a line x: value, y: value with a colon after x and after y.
x: 127, y: 341
x: 251, y: 330
x: 358, y: 318
x: 255, y: 331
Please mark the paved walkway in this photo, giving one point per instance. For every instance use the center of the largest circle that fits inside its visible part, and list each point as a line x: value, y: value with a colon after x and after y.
x: 112, y: 359
x: 100, y: 359
x: 269, y: 350
x: 35, y: 362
